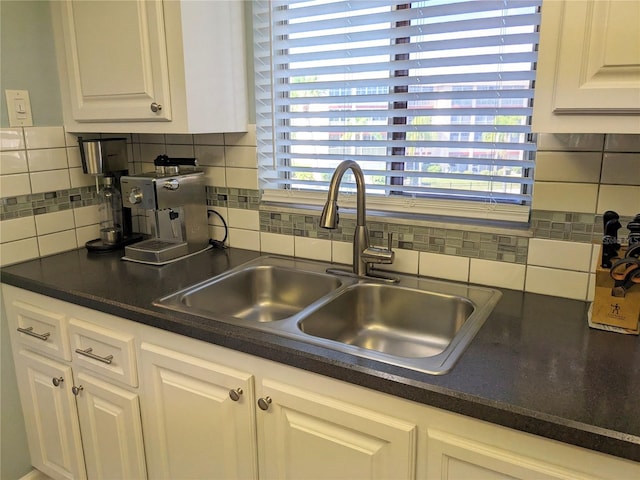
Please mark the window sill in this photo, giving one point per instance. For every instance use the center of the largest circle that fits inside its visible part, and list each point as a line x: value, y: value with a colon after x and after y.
x: 492, y: 226
x: 500, y: 219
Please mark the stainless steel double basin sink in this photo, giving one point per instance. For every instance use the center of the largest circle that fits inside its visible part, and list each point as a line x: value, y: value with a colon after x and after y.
x: 418, y: 323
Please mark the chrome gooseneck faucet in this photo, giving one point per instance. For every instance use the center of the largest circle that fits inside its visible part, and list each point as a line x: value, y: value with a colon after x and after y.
x: 364, y: 255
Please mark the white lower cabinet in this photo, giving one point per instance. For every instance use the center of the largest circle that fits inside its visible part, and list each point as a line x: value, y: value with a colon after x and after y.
x: 82, y: 421
x: 207, y: 412
x: 50, y: 415
x: 111, y: 429
x: 305, y: 434
x: 198, y: 417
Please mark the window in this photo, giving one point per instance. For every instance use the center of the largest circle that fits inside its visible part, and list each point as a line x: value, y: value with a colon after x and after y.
x: 432, y: 98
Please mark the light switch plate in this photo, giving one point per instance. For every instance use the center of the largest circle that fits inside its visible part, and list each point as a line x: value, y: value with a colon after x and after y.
x: 19, y: 108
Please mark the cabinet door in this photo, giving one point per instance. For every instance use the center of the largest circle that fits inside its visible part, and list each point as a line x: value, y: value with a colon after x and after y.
x: 116, y: 59
x: 452, y: 457
x: 193, y: 428
x: 50, y: 416
x: 111, y: 430
x: 599, y: 58
x: 305, y: 435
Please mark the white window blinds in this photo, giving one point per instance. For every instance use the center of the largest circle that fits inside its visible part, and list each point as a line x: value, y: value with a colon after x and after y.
x: 432, y: 98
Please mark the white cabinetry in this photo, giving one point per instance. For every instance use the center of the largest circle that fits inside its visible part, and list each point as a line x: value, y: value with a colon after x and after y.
x: 77, y: 382
x: 194, y: 426
x: 588, y: 78
x: 152, y: 66
x: 203, y: 418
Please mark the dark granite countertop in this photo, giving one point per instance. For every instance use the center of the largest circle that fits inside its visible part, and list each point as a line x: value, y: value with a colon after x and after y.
x: 534, y: 366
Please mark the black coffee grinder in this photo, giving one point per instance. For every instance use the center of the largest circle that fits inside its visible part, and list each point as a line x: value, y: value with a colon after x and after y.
x: 107, y: 159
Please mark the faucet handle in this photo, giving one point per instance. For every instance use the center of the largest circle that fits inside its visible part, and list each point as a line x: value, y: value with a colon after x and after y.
x: 379, y: 254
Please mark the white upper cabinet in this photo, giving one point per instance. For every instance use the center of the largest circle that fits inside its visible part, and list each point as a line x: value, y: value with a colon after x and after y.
x: 151, y: 66
x: 588, y: 78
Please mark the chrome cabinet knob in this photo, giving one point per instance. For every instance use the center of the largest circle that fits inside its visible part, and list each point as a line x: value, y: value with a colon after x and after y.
x: 57, y: 381
x: 76, y: 390
x: 235, y: 394
x: 155, y: 107
x: 264, y: 403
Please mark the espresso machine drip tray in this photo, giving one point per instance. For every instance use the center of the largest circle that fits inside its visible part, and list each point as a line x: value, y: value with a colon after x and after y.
x: 156, y: 251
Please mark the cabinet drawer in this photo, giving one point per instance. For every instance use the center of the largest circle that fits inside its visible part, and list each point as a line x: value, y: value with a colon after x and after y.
x: 103, y: 351
x: 41, y: 330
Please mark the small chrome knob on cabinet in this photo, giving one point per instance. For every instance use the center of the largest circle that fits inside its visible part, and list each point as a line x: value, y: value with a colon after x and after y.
x: 235, y: 394
x: 57, y: 381
x: 76, y: 390
x: 264, y: 403
x: 155, y: 108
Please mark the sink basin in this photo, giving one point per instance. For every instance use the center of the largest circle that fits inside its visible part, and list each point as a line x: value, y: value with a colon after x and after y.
x: 420, y: 324
x: 393, y: 320
x: 259, y: 293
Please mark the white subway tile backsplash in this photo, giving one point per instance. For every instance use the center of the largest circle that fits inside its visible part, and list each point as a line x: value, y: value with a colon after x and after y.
x: 47, y: 159
x: 215, y: 176
x: 151, y: 138
x: 210, y: 155
x: 20, y: 251
x: 44, y: 137
x: 57, y: 242
x: 14, y: 185
x: 625, y: 200
x: 497, y: 274
x: 73, y: 157
x: 242, y: 178
x: 179, y: 139
x: 446, y: 267
x: 86, y: 234
x: 565, y: 197
x: 247, y: 239
x: 559, y: 254
x: 342, y: 252
x: 17, y: 229
x: 580, y: 167
x: 11, y: 139
x: 13, y: 162
x: 78, y: 178
x: 180, y: 151
x: 247, y: 138
x: 622, y: 143
x: 406, y: 261
x: 558, y: 283
x: 244, y: 157
x: 276, y: 244
x: 245, y: 219
x: 84, y: 216
x: 621, y: 169
x: 209, y: 139
x: 313, y: 248
x: 54, y: 222
x: 571, y: 141
x: 149, y: 151
x: 50, y: 181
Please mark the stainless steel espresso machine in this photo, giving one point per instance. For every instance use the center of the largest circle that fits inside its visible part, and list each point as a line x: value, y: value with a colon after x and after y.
x: 106, y: 159
x: 174, y: 198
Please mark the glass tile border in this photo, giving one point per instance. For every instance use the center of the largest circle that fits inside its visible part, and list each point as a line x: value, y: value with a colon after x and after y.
x: 47, y: 202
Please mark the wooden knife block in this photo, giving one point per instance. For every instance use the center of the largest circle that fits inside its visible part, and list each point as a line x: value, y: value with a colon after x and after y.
x: 618, y: 314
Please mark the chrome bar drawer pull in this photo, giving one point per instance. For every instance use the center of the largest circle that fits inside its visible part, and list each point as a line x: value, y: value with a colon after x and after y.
x: 88, y: 353
x: 29, y: 331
